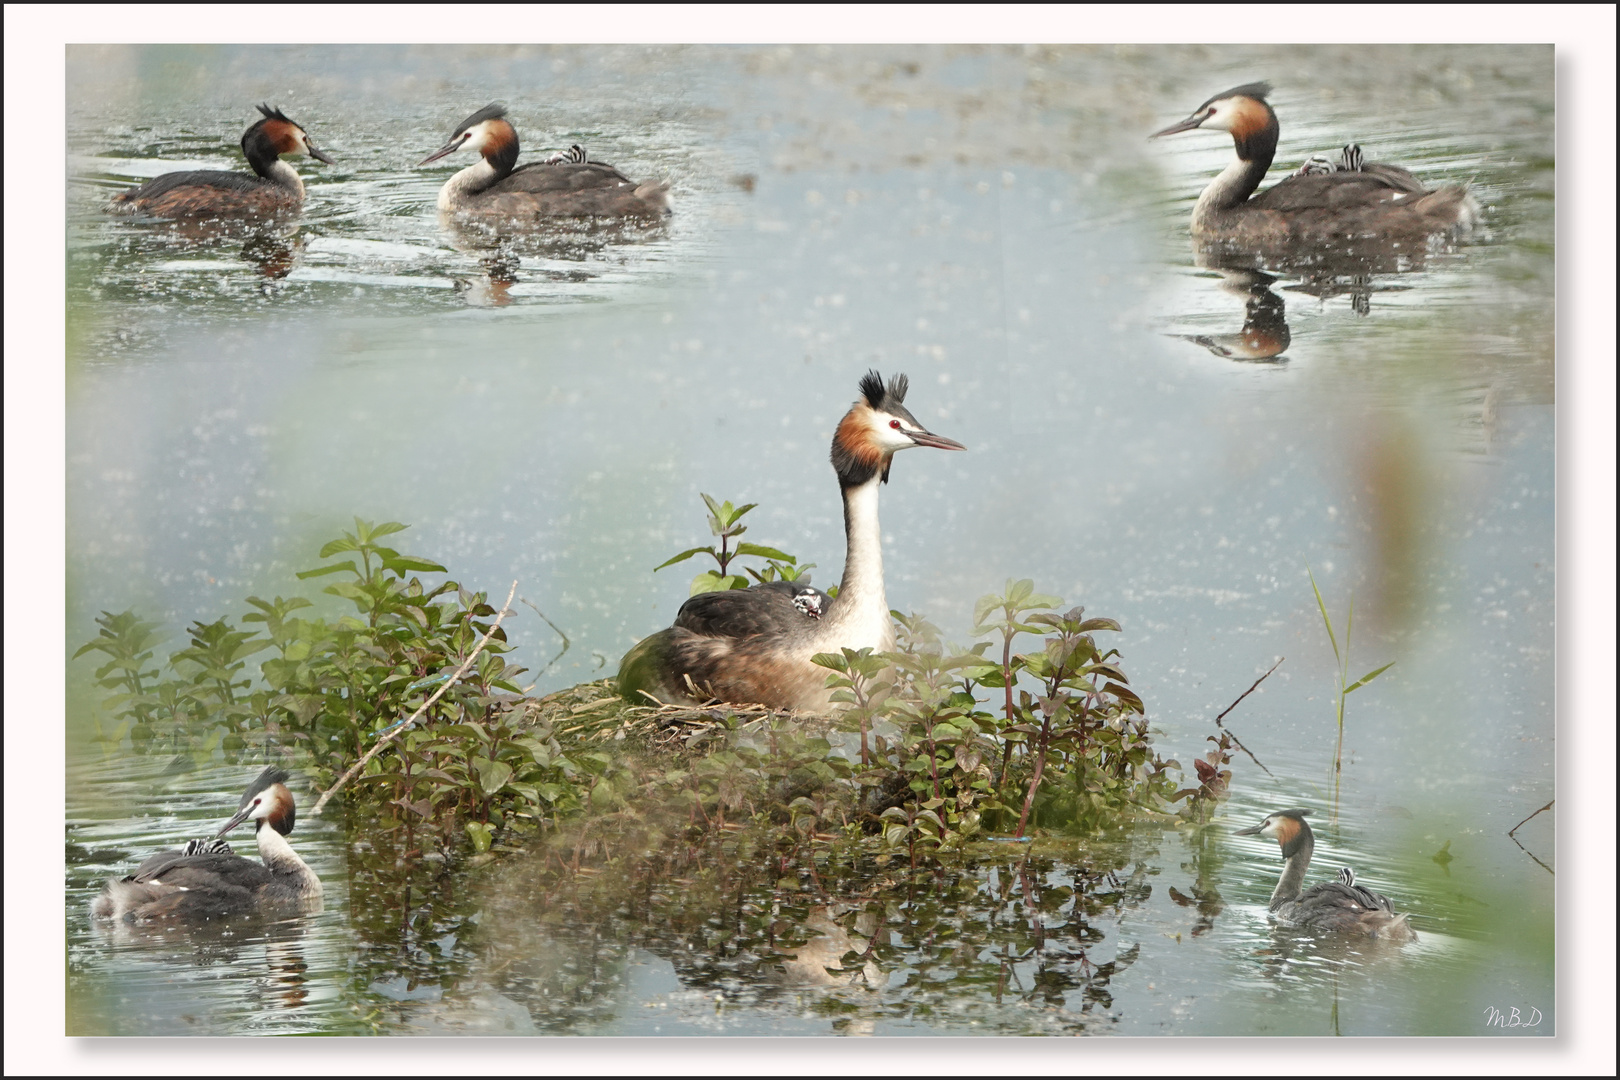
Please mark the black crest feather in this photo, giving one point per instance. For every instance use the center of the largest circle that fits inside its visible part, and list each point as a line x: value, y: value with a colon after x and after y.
x: 879, y: 396
x: 273, y: 114
x: 493, y: 111
x: 271, y: 775
x: 872, y: 388
x: 1256, y: 90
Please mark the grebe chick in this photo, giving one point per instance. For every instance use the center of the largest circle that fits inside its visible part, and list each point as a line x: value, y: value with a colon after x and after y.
x: 275, y: 186
x: 754, y: 645
x: 1367, y: 201
x: 563, y: 185
x: 206, y: 880
x: 1350, y: 159
x: 1339, y: 905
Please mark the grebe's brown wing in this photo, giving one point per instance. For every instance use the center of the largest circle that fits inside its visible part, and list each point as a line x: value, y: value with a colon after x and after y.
x: 563, y: 178
x: 741, y: 613
x: 200, y: 178
x: 1371, y: 900
x: 200, y: 871
x: 1334, y: 191
x: 1339, y: 894
x: 1396, y: 177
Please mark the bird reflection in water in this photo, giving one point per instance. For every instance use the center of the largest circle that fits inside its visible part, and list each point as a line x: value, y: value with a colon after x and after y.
x: 560, y: 252
x: 1264, y: 335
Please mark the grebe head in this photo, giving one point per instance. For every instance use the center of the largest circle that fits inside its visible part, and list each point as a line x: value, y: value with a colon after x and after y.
x: 1287, y: 827
x: 266, y: 801
x: 875, y: 428
x: 486, y: 132
x: 1241, y: 111
x: 276, y: 135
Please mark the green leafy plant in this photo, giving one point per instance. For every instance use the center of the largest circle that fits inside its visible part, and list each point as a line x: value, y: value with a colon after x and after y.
x: 1000, y: 614
x: 331, y: 686
x: 128, y: 642
x: 724, y: 522
x: 859, y: 682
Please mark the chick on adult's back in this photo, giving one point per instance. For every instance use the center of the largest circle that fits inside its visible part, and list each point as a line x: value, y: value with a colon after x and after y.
x: 565, y: 185
x: 1366, y: 201
x: 754, y: 646
x: 206, y: 881
x: 1340, y: 905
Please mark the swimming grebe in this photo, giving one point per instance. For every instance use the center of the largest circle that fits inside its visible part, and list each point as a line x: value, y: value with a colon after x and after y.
x: 206, y: 880
x: 563, y: 185
x: 754, y: 646
x: 1369, y: 201
x: 1341, y: 904
x: 276, y: 187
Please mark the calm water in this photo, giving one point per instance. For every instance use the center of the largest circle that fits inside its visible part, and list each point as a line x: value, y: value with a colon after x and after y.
x: 992, y: 222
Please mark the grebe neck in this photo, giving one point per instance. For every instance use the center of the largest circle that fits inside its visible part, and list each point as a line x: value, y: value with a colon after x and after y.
x: 1293, y: 875
x: 280, y: 859
x: 467, y: 183
x: 861, y: 616
x: 1230, y: 189
x: 1256, y: 148
x: 279, y: 173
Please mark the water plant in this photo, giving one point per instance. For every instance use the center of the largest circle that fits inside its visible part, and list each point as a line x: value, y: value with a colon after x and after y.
x: 411, y: 693
x: 1342, y: 673
x: 333, y: 685
x: 723, y: 522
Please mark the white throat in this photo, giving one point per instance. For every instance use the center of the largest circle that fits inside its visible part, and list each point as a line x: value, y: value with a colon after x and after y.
x: 861, y: 615
x: 287, y: 176
x: 280, y: 858
x: 468, y: 182
x: 1221, y: 193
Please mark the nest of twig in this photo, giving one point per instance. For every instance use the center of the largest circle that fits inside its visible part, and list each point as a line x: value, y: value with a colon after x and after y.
x: 594, y: 712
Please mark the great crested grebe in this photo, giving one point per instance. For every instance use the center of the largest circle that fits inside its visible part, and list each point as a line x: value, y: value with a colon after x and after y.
x: 274, y: 187
x: 1368, y: 201
x: 563, y: 185
x: 1340, y: 904
x: 754, y: 646
x: 206, y: 880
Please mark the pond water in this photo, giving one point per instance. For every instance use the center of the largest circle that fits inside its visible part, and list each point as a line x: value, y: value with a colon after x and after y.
x: 547, y: 408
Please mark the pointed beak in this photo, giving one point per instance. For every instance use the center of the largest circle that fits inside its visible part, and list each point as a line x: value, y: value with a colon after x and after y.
x: 317, y: 153
x: 241, y: 816
x: 447, y: 148
x: 928, y: 438
x: 1250, y: 831
x: 1188, y: 124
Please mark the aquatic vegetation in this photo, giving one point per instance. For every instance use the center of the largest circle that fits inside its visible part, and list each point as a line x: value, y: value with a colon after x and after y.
x: 952, y: 743
x: 1345, y: 687
x: 723, y: 522
x: 331, y: 686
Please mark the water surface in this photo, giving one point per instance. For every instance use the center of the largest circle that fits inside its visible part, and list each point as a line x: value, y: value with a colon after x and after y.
x: 990, y: 221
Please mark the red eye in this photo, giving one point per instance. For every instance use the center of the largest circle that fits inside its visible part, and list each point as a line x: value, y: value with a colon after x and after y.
x: 895, y: 424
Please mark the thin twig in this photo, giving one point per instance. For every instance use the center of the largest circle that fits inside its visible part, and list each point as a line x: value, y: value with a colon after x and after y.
x: 1234, y: 705
x: 1249, y: 691
x: 400, y: 728
x: 1521, y: 824
x: 555, y: 627
x: 1530, y: 853
x: 1524, y: 849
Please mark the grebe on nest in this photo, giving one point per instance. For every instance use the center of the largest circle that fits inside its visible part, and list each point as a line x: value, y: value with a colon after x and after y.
x: 563, y: 185
x: 1323, y: 201
x: 754, y: 645
x: 206, y: 880
x: 1340, y: 904
x: 274, y: 188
